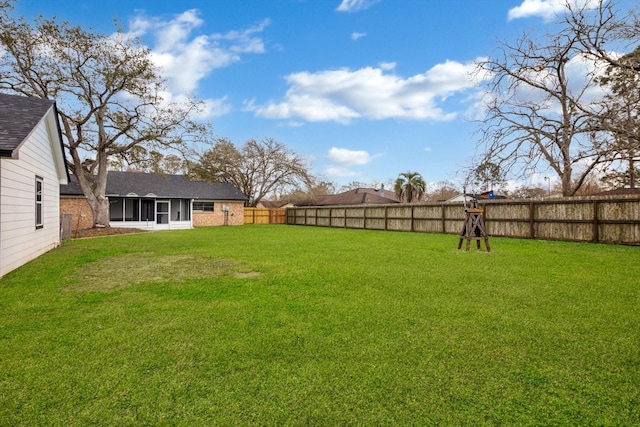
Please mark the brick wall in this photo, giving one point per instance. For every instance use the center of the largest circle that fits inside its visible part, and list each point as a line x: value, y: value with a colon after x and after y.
x: 207, y: 219
x: 77, y: 206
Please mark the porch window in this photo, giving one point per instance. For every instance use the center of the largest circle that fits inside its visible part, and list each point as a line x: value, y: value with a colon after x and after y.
x: 39, y: 198
x: 180, y: 210
x: 124, y: 209
x: 186, y: 209
x: 202, y: 206
x: 132, y: 209
x: 115, y: 209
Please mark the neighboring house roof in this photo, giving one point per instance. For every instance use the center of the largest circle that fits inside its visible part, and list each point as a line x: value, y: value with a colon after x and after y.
x: 460, y: 198
x: 19, y: 116
x: 139, y: 184
x: 358, y: 196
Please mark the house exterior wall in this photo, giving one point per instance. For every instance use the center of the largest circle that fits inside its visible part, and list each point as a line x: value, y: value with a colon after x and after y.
x: 82, y: 217
x: 20, y: 240
x: 80, y: 211
x: 208, y: 219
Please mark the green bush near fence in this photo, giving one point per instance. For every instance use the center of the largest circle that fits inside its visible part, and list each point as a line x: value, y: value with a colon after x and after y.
x: 284, y: 325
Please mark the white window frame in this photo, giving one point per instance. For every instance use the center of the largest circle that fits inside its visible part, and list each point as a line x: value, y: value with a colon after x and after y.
x: 39, y: 199
x: 201, y: 207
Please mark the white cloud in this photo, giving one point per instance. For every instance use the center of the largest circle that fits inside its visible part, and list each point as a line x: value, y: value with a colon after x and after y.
x: 355, y: 5
x: 186, y: 57
x: 343, y: 95
x: 547, y: 9
x: 349, y: 157
x: 339, y: 171
x: 387, y: 66
x: 244, y: 41
x: 356, y: 36
x: 215, y: 108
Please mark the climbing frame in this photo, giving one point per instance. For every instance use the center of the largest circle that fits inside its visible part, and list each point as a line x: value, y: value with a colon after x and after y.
x: 474, y: 227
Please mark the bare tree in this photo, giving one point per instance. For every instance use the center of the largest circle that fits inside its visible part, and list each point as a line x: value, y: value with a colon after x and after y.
x: 525, y: 192
x: 543, y: 111
x: 258, y: 168
x: 443, y: 190
x: 108, y: 93
x: 596, y: 31
x: 317, y: 188
x: 598, y: 26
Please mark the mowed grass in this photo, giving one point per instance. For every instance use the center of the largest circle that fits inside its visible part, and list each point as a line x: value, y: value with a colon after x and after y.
x: 285, y: 325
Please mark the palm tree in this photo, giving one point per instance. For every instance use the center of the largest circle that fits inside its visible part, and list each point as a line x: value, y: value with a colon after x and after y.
x: 410, y: 186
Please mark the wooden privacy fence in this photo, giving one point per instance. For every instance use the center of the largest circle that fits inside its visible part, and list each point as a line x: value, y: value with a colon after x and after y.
x: 265, y: 215
x: 604, y: 220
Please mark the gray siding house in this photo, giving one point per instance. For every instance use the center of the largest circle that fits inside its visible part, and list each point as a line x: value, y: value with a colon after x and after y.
x: 32, y: 168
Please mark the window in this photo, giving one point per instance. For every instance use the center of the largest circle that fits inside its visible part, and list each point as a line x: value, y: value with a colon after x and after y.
x: 203, y: 206
x: 131, y: 209
x: 124, y: 209
x: 180, y: 210
x: 185, y: 209
x: 39, y: 189
x: 115, y: 209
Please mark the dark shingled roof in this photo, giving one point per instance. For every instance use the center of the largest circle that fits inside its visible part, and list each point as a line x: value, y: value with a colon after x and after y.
x: 139, y: 184
x: 19, y: 115
x: 358, y: 196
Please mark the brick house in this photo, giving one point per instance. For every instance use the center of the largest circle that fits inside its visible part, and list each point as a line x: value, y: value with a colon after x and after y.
x: 157, y: 202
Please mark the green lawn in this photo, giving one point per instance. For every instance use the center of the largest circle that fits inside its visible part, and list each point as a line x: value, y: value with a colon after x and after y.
x: 284, y: 325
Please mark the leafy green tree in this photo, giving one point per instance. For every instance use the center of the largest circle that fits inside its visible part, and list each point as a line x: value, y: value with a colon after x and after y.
x: 622, y: 117
x: 108, y: 94
x: 410, y: 186
x: 258, y: 168
x: 621, y: 178
x: 488, y: 176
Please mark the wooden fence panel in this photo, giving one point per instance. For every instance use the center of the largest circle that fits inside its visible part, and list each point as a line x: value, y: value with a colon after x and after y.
x: 355, y: 218
x: 375, y: 217
x: 591, y: 219
x: 265, y: 216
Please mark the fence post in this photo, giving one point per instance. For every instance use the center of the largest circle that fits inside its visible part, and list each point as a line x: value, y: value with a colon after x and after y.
x: 596, y: 220
x: 412, y: 218
x: 532, y: 225
x: 386, y: 218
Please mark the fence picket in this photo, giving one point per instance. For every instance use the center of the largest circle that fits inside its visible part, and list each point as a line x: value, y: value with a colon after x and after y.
x: 589, y: 219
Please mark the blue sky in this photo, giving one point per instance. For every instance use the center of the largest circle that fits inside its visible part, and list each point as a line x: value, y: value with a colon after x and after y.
x: 365, y: 89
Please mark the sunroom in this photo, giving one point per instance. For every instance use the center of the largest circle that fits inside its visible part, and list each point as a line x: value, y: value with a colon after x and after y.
x: 158, y: 202
x: 149, y: 212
